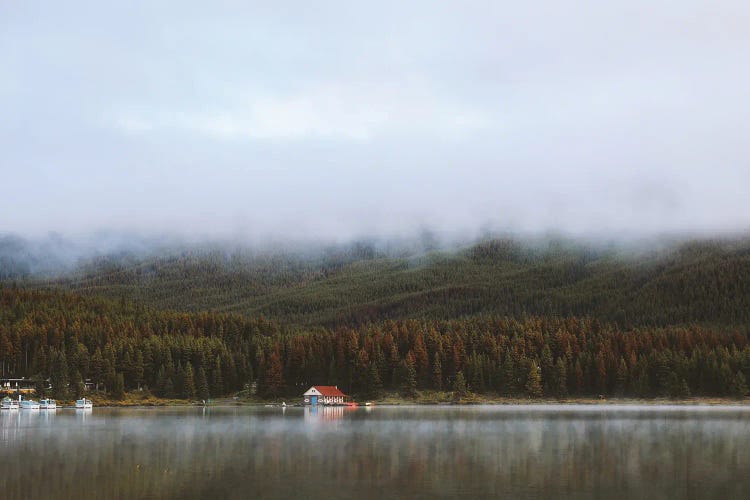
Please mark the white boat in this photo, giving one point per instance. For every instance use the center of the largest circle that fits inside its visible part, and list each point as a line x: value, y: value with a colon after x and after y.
x: 84, y: 404
x: 29, y: 404
x: 9, y: 404
x: 48, y: 404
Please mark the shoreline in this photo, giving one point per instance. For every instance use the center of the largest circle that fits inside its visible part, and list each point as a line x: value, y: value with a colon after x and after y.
x: 132, y: 400
x: 224, y: 402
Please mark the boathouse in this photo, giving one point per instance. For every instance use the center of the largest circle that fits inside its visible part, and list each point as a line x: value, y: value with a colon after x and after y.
x: 324, y: 394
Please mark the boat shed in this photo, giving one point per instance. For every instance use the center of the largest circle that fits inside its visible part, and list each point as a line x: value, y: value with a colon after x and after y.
x: 324, y: 394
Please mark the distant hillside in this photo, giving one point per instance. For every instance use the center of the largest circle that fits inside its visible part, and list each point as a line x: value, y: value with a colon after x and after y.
x: 699, y: 282
x: 120, y: 346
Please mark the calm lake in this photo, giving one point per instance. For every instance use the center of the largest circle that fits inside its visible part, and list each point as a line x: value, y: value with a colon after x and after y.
x: 533, y: 451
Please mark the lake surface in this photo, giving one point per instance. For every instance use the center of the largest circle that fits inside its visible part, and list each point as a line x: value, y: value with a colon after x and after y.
x: 571, y: 451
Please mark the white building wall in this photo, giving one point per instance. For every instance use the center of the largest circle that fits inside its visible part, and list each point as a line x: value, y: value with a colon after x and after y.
x: 312, y: 391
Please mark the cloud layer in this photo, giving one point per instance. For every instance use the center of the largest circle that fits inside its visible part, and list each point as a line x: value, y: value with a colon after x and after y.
x: 332, y: 120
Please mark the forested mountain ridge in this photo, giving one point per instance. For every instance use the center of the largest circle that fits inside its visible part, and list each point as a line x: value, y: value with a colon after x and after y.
x: 703, y: 282
x: 498, y: 317
x: 67, y: 338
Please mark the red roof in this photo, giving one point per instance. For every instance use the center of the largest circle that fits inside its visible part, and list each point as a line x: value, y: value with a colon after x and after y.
x: 329, y: 390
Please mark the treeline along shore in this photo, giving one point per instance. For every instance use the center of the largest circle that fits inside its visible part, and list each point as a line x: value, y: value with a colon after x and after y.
x: 60, y: 339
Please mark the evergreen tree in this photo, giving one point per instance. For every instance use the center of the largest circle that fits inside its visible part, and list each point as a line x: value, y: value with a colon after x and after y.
x: 738, y: 388
x: 161, y: 380
x: 250, y: 375
x: 201, y: 385
x: 40, y: 385
x: 179, y: 381
x: 509, y: 375
x: 217, y: 379
x: 421, y: 360
x: 97, y: 368
x: 561, y: 378
x: 684, y: 389
x: 408, y: 377
x: 274, y: 376
x: 168, y: 388
x: 118, y: 390
x: 578, y: 379
x: 622, y: 377
x: 459, y: 386
x: 534, y: 381
x: 375, y: 385
x: 188, y: 389
x: 437, y: 373
x: 149, y: 370
x: 59, y: 375
x: 548, y: 371
x: 138, y: 370
x: 127, y: 368
x: 77, y: 385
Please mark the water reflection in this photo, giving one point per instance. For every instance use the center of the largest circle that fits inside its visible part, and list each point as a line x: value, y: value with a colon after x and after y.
x: 378, y: 452
x: 317, y: 414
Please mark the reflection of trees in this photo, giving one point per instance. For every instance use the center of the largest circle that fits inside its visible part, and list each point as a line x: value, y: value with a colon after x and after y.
x: 387, y: 453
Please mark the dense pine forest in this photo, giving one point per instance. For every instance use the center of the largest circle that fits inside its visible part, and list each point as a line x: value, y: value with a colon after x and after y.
x: 478, y: 342
x: 496, y: 318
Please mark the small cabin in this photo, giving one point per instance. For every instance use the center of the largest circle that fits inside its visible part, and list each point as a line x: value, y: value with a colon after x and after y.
x: 17, y: 385
x: 324, y: 394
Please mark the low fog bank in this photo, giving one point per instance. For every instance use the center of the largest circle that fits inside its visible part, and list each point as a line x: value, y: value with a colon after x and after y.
x: 56, y: 254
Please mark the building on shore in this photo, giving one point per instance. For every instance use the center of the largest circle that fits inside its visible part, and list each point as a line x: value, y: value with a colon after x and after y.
x: 324, y: 394
x: 17, y: 385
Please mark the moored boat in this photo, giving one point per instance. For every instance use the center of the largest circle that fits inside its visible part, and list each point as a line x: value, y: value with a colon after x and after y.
x: 84, y: 404
x: 9, y: 404
x: 48, y: 404
x: 29, y: 404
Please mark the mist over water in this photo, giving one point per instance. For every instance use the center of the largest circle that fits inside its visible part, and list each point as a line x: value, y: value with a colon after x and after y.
x: 409, y: 452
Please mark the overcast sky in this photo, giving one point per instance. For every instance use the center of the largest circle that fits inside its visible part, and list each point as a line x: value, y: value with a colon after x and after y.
x: 340, y: 119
